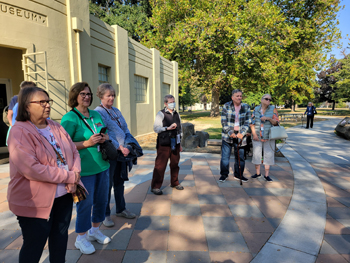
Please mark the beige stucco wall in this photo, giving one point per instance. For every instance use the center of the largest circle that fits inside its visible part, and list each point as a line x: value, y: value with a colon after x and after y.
x: 76, y: 43
x: 11, y: 67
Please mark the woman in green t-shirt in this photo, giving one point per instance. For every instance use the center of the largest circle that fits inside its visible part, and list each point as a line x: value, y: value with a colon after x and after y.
x: 84, y: 126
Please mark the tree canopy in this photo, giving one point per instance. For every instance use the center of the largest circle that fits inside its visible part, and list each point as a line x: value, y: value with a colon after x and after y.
x: 128, y: 14
x: 258, y: 46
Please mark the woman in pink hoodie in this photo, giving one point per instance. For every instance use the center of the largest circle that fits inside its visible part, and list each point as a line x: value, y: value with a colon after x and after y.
x: 44, y: 171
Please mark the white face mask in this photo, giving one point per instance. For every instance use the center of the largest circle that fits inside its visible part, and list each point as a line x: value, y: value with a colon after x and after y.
x: 171, y: 106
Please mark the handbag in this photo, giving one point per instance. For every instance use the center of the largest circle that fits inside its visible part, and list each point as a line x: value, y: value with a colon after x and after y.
x: 80, y: 194
x: 278, y: 133
x: 108, y: 150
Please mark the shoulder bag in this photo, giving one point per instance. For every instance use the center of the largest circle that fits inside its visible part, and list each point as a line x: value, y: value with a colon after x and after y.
x: 278, y: 133
x: 108, y: 150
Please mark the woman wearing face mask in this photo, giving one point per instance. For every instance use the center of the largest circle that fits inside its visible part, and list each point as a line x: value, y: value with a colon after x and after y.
x: 117, y: 131
x: 168, y: 126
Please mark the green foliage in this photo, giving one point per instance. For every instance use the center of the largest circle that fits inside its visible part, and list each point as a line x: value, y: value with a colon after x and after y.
x: 258, y: 46
x: 130, y: 15
x: 342, y: 77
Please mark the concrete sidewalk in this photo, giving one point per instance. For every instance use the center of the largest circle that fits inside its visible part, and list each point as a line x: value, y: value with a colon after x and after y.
x: 209, y: 221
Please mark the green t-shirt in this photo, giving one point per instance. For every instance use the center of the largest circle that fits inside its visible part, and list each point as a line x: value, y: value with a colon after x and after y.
x: 91, y: 160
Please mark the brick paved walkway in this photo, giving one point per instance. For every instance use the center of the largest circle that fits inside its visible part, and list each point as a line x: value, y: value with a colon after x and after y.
x: 208, y: 221
x: 211, y: 221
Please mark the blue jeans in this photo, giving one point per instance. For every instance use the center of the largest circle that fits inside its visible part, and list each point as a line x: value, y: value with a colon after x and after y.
x: 226, y: 149
x: 117, y: 182
x: 97, y: 187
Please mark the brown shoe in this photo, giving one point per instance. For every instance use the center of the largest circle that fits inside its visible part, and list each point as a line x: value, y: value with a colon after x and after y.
x: 178, y: 187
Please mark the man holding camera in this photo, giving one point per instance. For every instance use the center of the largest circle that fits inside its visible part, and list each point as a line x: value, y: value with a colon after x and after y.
x: 168, y: 126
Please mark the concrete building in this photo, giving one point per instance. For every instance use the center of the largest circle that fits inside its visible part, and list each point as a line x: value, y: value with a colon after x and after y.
x: 57, y: 43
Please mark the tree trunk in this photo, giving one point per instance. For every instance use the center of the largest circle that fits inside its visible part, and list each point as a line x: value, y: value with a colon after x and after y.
x: 293, y: 106
x: 215, y: 94
x: 333, y: 105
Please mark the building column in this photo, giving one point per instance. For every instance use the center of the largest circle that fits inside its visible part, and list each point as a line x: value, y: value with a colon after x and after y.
x: 123, y: 73
x: 156, y: 82
x: 175, y: 85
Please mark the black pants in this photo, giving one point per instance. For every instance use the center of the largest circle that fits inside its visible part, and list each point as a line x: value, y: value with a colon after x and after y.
x: 310, y: 119
x: 117, y: 182
x: 36, y: 231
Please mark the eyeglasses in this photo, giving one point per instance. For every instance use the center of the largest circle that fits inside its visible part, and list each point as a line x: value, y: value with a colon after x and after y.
x: 83, y: 95
x: 43, y: 103
x: 268, y: 99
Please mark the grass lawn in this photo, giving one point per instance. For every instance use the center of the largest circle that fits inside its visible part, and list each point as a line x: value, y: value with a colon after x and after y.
x: 212, y: 125
x: 321, y: 111
x: 203, y: 122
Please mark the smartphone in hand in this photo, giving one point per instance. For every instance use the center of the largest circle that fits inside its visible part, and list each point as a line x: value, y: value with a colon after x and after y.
x: 103, y: 130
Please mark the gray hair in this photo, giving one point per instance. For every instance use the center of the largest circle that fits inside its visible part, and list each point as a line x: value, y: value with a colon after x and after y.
x: 267, y: 94
x: 236, y: 91
x: 27, y: 83
x: 167, y: 97
x: 102, y: 89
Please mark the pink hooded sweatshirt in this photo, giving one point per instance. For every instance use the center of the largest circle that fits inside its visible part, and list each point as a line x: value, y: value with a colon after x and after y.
x: 34, y: 172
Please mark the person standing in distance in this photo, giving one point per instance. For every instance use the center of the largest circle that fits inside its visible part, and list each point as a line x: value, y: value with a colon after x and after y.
x: 168, y: 126
x: 235, y: 121
x: 310, y: 114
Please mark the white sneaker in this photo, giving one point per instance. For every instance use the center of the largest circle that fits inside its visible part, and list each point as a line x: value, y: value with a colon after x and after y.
x: 84, y: 246
x: 108, y: 222
x: 99, y: 237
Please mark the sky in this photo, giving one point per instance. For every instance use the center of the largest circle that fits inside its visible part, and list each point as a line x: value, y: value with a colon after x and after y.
x: 344, y: 26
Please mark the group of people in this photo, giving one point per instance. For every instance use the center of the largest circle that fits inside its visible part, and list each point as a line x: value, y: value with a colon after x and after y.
x: 53, y: 164
x: 237, y: 122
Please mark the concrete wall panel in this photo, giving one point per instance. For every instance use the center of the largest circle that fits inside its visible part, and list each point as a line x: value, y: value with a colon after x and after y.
x: 76, y: 43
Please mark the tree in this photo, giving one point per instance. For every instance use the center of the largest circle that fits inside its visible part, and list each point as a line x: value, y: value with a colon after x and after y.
x: 326, y: 81
x: 130, y: 15
x: 189, y: 90
x: 257, y: 45
x: 342, y: 77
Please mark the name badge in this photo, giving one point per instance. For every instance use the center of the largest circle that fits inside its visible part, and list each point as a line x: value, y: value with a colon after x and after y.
x: 98, y: 148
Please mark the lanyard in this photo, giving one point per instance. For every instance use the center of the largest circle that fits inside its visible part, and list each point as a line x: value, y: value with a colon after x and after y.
x: 115, y: 117
x: 93, y: 124
x: 53, y: 143
x: 86, y: 123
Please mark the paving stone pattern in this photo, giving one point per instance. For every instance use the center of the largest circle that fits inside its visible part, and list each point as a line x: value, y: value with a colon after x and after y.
x: 211, y: 221
x: 222, y: 221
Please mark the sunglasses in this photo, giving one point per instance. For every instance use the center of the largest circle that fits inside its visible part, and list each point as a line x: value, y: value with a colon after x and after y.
x: 268, y: 99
